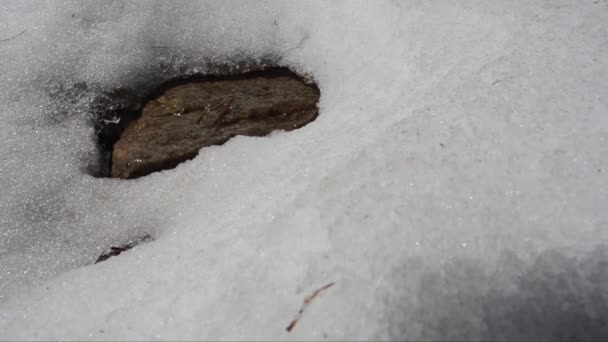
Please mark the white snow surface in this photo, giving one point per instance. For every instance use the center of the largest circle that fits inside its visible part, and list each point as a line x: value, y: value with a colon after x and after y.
x: 454, y: 186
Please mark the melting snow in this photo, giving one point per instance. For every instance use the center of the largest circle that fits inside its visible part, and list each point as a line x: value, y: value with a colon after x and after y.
x: 454, y: 185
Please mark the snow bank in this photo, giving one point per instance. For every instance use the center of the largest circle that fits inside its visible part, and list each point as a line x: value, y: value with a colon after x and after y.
x: 454, y: 185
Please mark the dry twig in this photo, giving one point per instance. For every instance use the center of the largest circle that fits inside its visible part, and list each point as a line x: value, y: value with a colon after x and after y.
x: 305, y: 304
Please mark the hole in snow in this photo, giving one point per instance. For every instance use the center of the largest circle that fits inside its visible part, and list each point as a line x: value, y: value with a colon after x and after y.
x: 138, y: 137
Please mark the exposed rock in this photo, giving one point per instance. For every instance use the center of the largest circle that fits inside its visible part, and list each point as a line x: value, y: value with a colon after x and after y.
x: 174, y: 126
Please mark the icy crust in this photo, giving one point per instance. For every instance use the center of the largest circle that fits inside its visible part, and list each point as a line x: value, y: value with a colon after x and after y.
x: 452, y: 187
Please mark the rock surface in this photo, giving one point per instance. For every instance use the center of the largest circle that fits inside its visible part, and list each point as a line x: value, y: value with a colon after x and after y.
x: 174, y: 126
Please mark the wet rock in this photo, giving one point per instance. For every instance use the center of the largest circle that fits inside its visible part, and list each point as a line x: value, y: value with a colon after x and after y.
x: 174, y: 126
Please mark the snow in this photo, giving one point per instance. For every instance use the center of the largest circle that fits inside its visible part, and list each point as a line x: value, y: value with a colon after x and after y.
x: 454, y: 185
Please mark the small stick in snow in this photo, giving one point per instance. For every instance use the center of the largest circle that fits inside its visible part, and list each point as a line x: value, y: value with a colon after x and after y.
x: 13, y: 37
x: 306, y: 303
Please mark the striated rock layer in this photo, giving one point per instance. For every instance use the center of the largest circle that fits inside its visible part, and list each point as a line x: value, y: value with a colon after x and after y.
x: 174, y: 126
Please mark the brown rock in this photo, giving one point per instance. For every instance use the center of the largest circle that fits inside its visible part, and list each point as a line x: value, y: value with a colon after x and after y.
x: 173, y: 127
